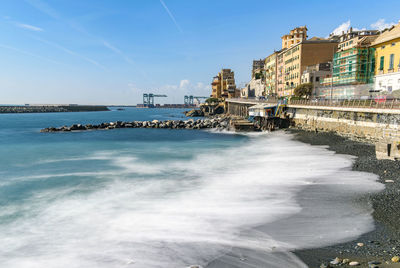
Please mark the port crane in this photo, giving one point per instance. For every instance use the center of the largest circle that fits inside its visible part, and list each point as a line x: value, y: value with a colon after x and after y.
x: 148, y: 98
x: 189, y: 100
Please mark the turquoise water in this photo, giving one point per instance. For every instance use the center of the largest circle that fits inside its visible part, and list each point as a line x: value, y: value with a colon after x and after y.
x: 165, y: 198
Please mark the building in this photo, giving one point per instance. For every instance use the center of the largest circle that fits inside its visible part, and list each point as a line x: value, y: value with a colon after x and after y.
x: 297, y: 57
x: 315, y: 74
x: 223, y: 85
x: 270, y: 68
x: 256, y: 88
x: 353, y: 67
x: 258, y: 65
x: 295, y: 36
x: 280, y: 72
x: 387, y: 54
x: 354, y: 61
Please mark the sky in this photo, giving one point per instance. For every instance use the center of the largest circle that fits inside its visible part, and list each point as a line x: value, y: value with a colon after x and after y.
x: 113, y: 51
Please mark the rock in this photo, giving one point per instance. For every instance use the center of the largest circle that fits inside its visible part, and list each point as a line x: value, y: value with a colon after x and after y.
x: 360, y: 244
x: 374, y: 262
x: 389, y: 180
x: 354, y: 263
x: 194, y: 113
x: 336, y: 261
x: 323, y: 265
x: 396, y: 259
x: 345, y: 261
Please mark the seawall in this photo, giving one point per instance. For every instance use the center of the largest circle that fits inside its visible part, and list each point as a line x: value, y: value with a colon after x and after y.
x: 376, y: 124
x: 52, y: 108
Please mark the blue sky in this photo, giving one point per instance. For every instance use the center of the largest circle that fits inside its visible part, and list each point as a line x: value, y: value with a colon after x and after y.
x: 110, y: 52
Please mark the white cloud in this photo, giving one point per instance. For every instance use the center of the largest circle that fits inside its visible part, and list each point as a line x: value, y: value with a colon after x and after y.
x: 342, y: 28
x: 29, y: 27
x: 184, y: 84
x: 381, y: 24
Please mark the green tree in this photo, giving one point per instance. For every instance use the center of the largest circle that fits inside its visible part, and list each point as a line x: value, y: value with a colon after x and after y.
x: 303, y: 90
x: 211, y: 100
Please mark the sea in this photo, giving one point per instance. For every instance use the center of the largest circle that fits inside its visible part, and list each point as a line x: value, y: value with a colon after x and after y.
x: 147, y: 198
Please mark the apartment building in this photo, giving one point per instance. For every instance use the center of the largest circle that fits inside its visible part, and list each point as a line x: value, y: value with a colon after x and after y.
x: 280, y: 72
x: 223, y: 85
x: 270, y: 68
x: 299, y: 56
x: 387, y: 54
x: 295, y: 36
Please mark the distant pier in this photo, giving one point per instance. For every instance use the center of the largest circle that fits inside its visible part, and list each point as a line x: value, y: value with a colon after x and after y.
x: 51, y: 108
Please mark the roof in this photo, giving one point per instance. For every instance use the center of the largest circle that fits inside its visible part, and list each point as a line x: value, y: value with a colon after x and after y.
x: 263, y: 106
x: 387, y: 35
x: 315, y: 38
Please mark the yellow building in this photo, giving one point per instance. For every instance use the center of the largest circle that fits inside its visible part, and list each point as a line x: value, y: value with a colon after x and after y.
x: 270, y: 67
x: 387, y: 60
x: 223, y: 85
x: 294, y: 37
x: 299, y: 56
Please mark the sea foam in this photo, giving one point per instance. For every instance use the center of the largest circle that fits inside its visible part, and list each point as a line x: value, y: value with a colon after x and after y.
x: 243, y: 206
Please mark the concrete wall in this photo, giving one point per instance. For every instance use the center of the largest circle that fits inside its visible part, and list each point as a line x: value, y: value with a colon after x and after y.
x: 238, y: 109
x: 378, y: 126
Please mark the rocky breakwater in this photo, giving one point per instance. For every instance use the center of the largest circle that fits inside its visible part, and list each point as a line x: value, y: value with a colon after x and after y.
x: 218, y: 123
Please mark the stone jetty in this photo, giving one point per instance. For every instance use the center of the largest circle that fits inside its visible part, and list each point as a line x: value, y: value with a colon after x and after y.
x: 218, y: 123
x: 52, y: 108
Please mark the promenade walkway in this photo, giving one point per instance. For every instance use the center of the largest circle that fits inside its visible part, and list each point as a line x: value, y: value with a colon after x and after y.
x: 381, y: 106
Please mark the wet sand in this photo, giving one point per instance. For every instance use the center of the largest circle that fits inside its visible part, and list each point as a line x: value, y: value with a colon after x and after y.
x: 382, y: 243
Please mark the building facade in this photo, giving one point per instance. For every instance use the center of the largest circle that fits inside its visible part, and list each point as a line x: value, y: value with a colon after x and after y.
x: 280, y: 72
x: 223, y: 85
x: 306, y: 53
x: 271, y: 74
x: 295, y: 36
x: 258, y: 65
x: 315, y: 74
x: 387, y: 54
x: 354, y: 62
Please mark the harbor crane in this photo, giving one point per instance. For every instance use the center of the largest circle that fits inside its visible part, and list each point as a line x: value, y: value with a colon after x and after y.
x: 189, y: 100
x: 148, y: 99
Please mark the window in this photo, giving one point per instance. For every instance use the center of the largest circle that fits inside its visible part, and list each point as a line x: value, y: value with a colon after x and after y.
x: 381, y: 63
x: 382, y: 47
x: 317, y: 78
x: 393, y: 44
x: 391, y: 62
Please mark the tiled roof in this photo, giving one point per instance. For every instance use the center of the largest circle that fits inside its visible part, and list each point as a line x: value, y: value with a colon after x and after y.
x: 388, y: 35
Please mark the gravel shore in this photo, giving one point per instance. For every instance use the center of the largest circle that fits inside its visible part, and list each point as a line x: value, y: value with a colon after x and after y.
x: 382, y: 244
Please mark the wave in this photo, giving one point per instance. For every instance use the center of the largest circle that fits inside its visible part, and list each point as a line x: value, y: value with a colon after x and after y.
x: 247, y: 205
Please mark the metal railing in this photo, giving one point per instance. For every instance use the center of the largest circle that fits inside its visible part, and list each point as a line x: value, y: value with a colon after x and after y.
x: 354, y: 103
x: 371, y: 103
